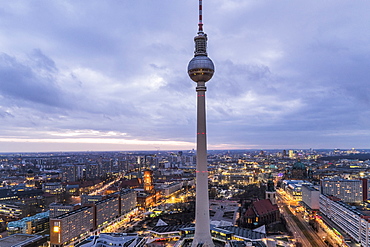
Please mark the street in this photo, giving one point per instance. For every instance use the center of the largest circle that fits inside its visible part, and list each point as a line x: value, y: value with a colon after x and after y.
x: 300, y: 229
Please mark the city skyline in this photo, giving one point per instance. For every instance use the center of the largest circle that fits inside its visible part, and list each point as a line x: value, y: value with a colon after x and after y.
x: 112, y: 75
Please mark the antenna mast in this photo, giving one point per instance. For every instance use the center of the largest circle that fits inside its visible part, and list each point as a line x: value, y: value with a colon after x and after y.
x: 200, y: 24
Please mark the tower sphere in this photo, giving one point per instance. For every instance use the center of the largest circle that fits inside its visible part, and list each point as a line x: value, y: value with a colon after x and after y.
x: 201, y: 68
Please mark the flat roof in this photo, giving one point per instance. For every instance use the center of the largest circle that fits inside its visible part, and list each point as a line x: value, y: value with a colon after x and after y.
x: 310, y: 187
x: 17, y: 239
x: 72, y: 212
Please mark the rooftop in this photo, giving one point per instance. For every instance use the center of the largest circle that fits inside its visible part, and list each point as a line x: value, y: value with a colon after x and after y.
x: 114, y: 239
x: 18, y: 240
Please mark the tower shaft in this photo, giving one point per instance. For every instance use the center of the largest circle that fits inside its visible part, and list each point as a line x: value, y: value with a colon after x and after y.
x: 202, y: 220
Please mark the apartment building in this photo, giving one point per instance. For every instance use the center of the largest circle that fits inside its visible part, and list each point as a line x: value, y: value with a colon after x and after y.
x: 345, y: 189
x: 354, y: 222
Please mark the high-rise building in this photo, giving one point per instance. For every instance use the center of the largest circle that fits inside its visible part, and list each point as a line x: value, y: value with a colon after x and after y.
x: 57, y: 209
x: 345, y: 189
x: 69, y: 172
x: 310, y: 196
x: 95, y: 212
x: 200, y: 70
x: 352, y: 221
x: 68, y: 226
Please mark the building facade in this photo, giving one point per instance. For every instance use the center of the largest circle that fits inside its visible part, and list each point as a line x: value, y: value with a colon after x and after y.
x: 57, y: 209
x: 94, y: 214
x: 68, y: 227
x: 12, y: 210
x: 128, y: 200
x: 261, y: 212
x: 311, y: 196
x: 29, y: 225
x: 345, y: 189
x: 352, y: 221
x: 106, y: 210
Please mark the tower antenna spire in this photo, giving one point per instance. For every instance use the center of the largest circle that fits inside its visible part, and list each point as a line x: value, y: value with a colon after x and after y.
x: 200, y: 24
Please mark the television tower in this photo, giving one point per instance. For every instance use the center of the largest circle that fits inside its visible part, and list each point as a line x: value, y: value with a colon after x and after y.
x: 200, y: 70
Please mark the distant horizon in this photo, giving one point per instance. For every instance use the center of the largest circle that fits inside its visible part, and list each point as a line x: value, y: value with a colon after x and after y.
x: 177, y: 150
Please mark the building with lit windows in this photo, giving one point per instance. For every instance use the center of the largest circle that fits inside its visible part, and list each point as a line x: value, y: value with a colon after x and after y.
x: 30, y: 179
x: 68, y: 227
x: 352, y: 221
x: 12, y: 210
x: 69, y: 172
x: 57, y: 209
x: 128, y: 200
x: 294, y: 188
x: 148, y: 180
x: 147, y: 200
x: 29, y: 225
x: 91, y: 199
x: 345, y: 189
x: 94, y: 214
x: 234, y: 177
x: 226, y: 235
x: 19, y: 194
x: 168, y: 189
x: 92, y: 171
x: 106, y: 210
x: 53, y: 188
x: 260, y: 212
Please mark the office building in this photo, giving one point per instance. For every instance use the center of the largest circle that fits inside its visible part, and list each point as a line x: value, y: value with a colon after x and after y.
x: 128, y: 200
x: 94, y: 214
x: 68, y: 227
x: 169, y: 188
x: 294, y: 188
x: 106, y: 210
x: 91, y: 199
x: 347, y: 190
x: 30, y: 225
x: 352, y: 221
x: 311, y: 197
x: 57, y: 209
x: 12, y: 210
x: 53, y: 188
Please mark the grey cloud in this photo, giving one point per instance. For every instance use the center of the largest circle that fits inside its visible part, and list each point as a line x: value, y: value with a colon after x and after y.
x: 43, y: 62
x: 92, y: 66
x: 20, y: 81
x: 235, y: 79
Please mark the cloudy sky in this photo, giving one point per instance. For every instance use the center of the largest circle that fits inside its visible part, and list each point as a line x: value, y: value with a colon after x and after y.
x: 111, y: 75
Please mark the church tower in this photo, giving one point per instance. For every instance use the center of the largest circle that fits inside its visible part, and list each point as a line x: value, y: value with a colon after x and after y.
x: 270, y: 191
